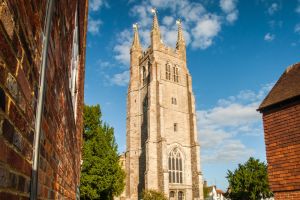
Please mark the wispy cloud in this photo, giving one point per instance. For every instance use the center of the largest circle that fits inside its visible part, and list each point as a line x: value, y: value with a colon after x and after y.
x: 104, y: 64
x: 95, y: 5
x: 297, y: 28
x: 298, y: 7
x: 94, y: 26
x: 94, y: 23
x: 275, y: 24
x: 122, y: 48
x: 221, y: 127
x: 269, y: 37
x: 273, y: 8
x: 120, y: 79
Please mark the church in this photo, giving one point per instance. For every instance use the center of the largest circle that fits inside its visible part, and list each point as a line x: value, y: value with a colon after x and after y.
x: 163, y: 152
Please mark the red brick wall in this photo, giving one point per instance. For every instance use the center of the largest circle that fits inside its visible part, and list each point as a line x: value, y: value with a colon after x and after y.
x: 21, y: 26
x: 293, y: 195
x: 282, y: 138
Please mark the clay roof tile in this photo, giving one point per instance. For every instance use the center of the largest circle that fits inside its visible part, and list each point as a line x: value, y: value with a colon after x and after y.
x: 286, y: 88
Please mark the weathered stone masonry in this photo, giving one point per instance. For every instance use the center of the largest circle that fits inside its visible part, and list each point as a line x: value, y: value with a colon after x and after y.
x: 21, y: 35
x: 163, y: 152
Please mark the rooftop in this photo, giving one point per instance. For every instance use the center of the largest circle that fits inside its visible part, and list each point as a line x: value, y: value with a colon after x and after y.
x: 286, y: 88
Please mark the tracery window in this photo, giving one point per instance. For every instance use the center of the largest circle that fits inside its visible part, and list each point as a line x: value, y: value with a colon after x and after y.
x: 168, y: 71
x: 175, y: 167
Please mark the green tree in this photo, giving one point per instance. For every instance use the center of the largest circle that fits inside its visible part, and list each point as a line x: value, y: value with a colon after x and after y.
x: 153, y: 195
x: 101, y: 174
x: 249, y: 181
x: 205, y: 192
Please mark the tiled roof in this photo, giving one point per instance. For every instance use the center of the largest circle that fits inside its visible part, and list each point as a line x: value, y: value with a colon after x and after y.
x: 219, y: 191
x: 287, y: 87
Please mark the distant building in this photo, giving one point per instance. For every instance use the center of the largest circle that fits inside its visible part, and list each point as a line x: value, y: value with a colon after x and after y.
x: 41, y: 116
x: 163, y: 152
x: 281, y: 118
x: 215, y: 194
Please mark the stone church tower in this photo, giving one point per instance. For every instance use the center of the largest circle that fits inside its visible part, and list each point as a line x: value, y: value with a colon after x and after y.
x: 162, y: 148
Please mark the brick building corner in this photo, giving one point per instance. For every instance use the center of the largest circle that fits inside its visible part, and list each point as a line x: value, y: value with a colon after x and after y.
x: 22, y: 25
x: 281, y: 119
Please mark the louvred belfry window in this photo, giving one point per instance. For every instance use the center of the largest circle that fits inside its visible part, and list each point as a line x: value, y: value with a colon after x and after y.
x: 168, y: 71
x: 175, y: 74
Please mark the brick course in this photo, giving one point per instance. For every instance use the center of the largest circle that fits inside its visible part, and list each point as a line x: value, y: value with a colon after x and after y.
x: 282, y: 138
x: 287, y: 195
x: 21, y: 33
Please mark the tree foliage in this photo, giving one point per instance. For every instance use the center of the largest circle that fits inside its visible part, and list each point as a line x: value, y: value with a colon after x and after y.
x: 249, y: 181
x: 101, y: 174
x: 153, y: 195
x: 205, y: 192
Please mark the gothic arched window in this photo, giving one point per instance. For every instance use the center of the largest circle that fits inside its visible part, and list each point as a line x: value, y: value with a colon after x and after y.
x: 168, y: 71
x: 180, y: 195
x: 144, y: 75
x: 175, y: 74
x: 175, y: 167
x: 172, y: 194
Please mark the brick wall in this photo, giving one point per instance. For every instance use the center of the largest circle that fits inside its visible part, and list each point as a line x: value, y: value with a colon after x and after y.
x: 21, y: 27
x: 282, y: 138
x: 287, y: 195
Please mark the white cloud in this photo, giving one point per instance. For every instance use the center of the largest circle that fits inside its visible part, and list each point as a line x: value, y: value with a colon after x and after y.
x: 191, y: 12
x: 233, y: 114
x: 95, y: 5
x: 143, y: 13
x: 298, y: 9
x: 273, y: 8
x: 94, y: 26
x: 103, y: 64
x: 269, y: 37
x: 168, y: 20
x: 228, y: 151
x: 120, y: 79
x: 229, y: 8
x: 164, y: 4
x: 221, y: 127
x: 122, y: 48
x: 297, y: 28
x: 169, y: 36
x: 232, y: 17
x: 205, y: 30
x: 228, y: 5
x: 200, y: 26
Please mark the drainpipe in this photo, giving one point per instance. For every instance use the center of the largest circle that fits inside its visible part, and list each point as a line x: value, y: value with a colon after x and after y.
x: 40, y: 103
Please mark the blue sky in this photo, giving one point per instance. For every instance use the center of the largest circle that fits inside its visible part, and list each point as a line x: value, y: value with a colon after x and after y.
x: 236, y: 51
